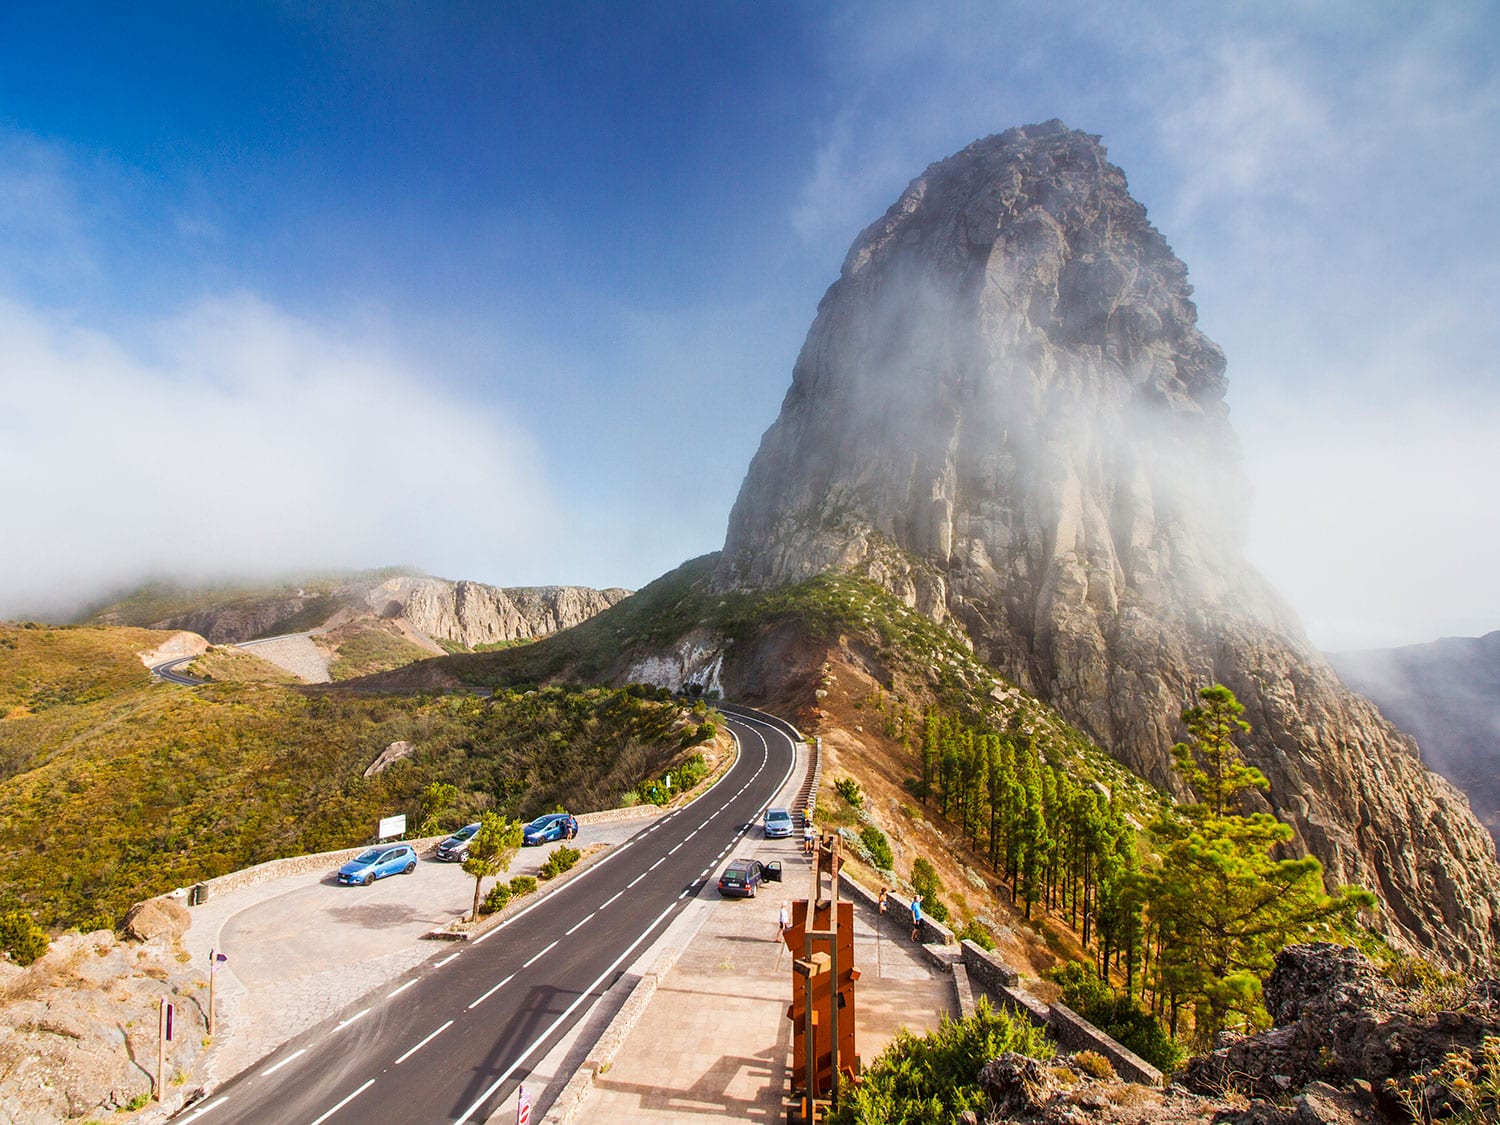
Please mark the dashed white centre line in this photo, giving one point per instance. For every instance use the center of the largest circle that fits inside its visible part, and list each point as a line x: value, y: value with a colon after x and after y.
x: 424, y: 1043
x: 445, y: 960
x: 673, y: 850
x: 616, y: 895
x: 657, y: 864
x: 634, y: 881
x: 346, y: 1101
x: 702, y: 826
x: 538, y: 957
x: 399, y: 991
x: 273, y: 1069
x: 492, y: 992
x: 351, y: 1019
x: 577, y: 925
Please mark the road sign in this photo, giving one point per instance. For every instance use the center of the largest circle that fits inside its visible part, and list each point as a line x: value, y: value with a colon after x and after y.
x: 523, y: 1106
x: 391, y: 826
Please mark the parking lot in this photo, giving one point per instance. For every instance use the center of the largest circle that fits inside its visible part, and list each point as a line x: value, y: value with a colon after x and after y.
x: 301, y: 947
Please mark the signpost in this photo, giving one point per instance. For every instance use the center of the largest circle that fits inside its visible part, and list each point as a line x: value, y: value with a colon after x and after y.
x: 215, y: 959
x: 523, y: 1106
x: 163, y: 1035
x: 391, y: 827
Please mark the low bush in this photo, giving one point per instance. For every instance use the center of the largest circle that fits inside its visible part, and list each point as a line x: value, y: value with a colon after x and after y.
x: 976, y: 931
x: 878, y: 846
x: 562, y: 859
x: 495, y: 901
x: 925, y: 881
x: 849, y: 789
x: 522, y: 885
x: 935, y: 1077
x: 22, y: 940
x: 1119, y: 1016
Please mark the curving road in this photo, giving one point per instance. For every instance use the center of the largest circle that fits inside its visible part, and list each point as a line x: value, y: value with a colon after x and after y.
x: 451, y: 1041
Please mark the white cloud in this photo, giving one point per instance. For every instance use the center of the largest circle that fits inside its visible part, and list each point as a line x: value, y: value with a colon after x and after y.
x: 240, y: 440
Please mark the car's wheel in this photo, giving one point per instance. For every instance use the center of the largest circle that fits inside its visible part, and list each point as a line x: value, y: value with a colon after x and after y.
x: 368, y: 879
x: 751, y: 889
x: 410, y: 867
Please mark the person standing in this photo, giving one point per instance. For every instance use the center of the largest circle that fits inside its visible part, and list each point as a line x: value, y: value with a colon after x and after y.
x: 783, y: 922
x: 882, y: 901
x: 809, y: 837
x: 916, y: 917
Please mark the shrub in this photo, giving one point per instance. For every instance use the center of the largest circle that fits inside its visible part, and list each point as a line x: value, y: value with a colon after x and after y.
x: 878, y: 846
x: 849, y: 789
x: 925, y: 881
x: 495, y: 901
x: 935, y: 1077
x: 22, y: 940
x: 522, y: 885
x: 977, y: 932
x: 561, y: 859
x: 1094, y: 1064
x: 1120, y: 1016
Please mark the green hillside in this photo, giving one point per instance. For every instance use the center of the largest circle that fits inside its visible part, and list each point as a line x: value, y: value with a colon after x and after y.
x: 117, y: 788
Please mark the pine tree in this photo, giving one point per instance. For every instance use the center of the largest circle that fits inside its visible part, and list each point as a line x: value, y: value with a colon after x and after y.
x: 1220, y: 904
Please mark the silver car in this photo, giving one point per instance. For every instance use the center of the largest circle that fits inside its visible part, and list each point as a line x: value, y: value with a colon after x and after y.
x: 778, y: 823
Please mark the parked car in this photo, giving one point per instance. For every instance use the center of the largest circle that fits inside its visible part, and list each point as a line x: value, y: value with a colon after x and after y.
x: 552, y: 826
x: 778, y: 823
x: 742, y: 876
x: 456, y: 847
x: 377, y: 863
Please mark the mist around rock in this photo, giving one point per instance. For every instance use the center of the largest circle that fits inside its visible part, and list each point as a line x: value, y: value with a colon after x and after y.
x: 1006, y: 413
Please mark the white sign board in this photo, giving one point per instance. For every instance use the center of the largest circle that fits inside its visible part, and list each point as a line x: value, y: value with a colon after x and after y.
x: 391, y: 827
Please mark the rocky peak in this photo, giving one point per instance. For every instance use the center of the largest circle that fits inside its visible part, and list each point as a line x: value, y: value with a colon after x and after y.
x: 1007, y: 388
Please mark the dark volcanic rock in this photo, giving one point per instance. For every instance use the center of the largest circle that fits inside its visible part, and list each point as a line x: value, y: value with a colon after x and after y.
x: 1337, y: 1020
x: 1007, y: 385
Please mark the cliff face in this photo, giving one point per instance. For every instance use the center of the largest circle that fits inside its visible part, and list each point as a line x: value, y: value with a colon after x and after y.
x: 1008, y: 384
x: 467, y: 613
x: 472, y: 613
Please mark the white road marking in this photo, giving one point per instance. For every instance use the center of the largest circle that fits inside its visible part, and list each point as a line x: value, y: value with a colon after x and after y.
x: 567, y: 1012
x: 704, y: 872
x: 351, y: 1019
x: 197, y: 1113
x: 399, y: 991
x: 492, y: 992
x: 690, y: 835
x: 684, y: 894
x: 272, y: 1070
x: 701, y: 827
x: 657, y: 864
x: 424, y: 1043
x: 617, y: 894
x: 634, y: 881
x: 446, y: 959
x: 577, y: 925
x: 673, y: 851
x: 538, y: 957
x: 342, y: 1104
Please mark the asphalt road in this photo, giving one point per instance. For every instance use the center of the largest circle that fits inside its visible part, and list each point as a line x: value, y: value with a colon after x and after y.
x: 451, y: 1042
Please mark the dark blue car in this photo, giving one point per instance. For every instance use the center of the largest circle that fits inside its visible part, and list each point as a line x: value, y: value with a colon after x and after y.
x: 553, y: 826
x: 377, y: 863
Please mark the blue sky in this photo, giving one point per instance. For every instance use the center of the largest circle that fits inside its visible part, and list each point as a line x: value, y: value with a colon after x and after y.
x: 511, y: 291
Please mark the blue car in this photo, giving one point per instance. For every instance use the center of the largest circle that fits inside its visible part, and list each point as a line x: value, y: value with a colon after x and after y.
x: 377, y: 863
x: 553, y: 826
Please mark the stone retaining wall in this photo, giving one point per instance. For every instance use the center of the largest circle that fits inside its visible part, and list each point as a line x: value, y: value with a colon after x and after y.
x: 897, y: 917
x: 1070, y: 1029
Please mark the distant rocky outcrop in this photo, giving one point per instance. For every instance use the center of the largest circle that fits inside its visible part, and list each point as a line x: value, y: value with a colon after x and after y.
x: 1005, y: 413
x: 471, y: 613
x: 463, y: 613
x: 1447, y: 695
